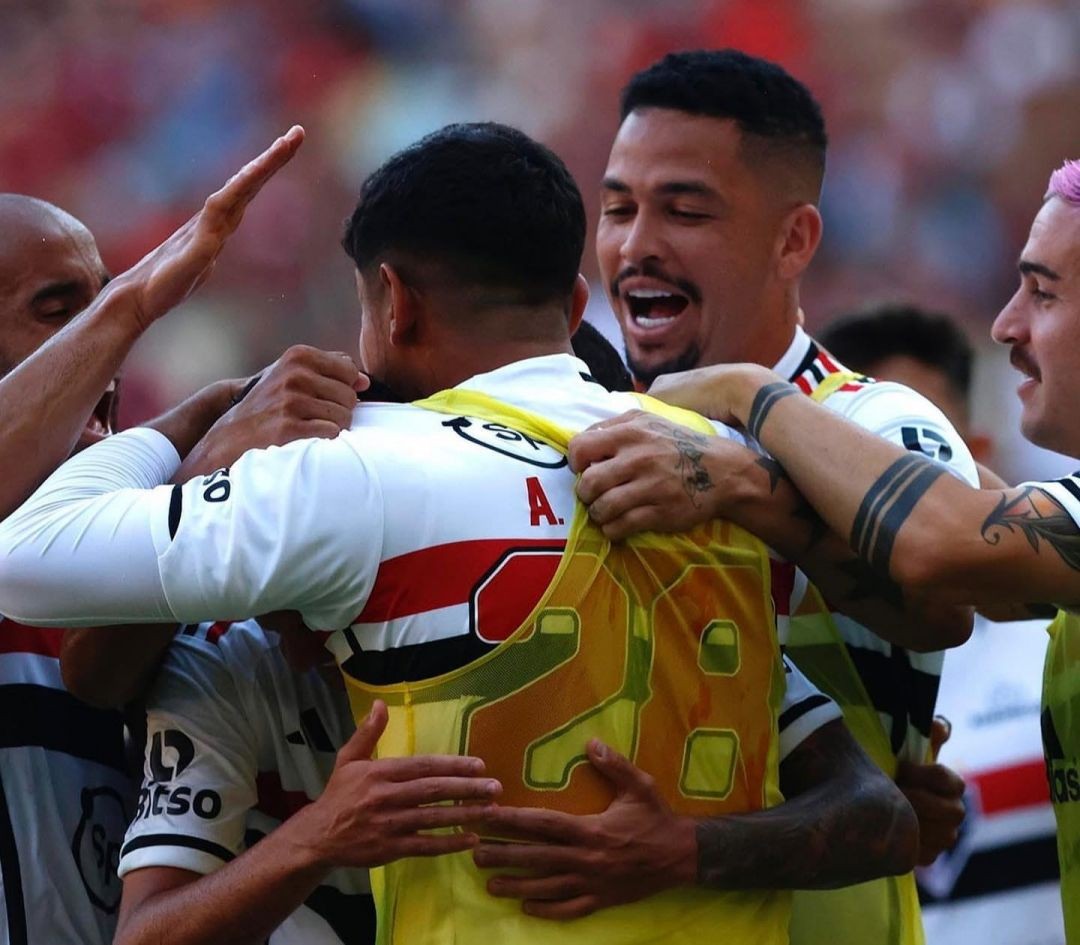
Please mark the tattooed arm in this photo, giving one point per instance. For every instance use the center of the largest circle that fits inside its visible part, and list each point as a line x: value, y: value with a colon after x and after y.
x: 641, y: 472
x: 903, y: 515
x: 844, y: 822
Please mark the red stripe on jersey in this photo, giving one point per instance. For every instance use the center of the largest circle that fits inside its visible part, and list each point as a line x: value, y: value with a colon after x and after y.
x: 217, y: 631
x: 1012, y: 787
x: 16, y: 638
x: 851, y: 387
x: 438, y: 577
x: 831, y: 367
x: 273, y: 800
x: 783, y: 585
x: 804, y: 385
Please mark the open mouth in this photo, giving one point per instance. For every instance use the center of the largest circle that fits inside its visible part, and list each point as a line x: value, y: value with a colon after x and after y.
x: 654, y: 308
x: 104, y: 413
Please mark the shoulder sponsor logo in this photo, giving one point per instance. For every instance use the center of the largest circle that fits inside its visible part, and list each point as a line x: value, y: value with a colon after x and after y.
x: 502, y: 439
x: 928, y: 442
x: 171, y: 754
x: 171, y: 751
x: 96, y: 845
x: 1061, y: 772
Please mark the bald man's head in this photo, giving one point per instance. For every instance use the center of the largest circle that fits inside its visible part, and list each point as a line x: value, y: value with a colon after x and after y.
x: 50, y: 270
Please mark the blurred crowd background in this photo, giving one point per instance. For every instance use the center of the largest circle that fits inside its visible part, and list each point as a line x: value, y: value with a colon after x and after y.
x: 945, y: 118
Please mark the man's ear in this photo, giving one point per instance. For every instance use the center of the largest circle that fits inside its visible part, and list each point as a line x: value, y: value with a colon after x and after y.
x: 579, y: 298
x: 403, y: 304
x: 800, y: 236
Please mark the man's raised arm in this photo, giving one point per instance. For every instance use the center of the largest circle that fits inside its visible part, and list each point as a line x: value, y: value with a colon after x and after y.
x: 903, y: 514
x: 640, y: 472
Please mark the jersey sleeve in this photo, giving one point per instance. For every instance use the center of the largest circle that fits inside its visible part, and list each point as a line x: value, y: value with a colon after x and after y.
x: 907, y: 419
x: 804, y: 710
x: 298, y: 527
x: 201, y: 762
x: 292, y: 528
x: 1064, y: 491
x: 91, y: 520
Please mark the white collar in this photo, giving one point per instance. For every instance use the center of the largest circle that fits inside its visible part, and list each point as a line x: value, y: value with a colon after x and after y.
x: 795, y: 355
x: 532, y: 378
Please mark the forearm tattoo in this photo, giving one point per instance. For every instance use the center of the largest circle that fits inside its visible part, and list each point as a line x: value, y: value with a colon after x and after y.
x: 689, y: 462
x: 844, y: 823
x: 887, y: 505
x: 1037, y: 516
x: 801, y: 510
x: 764, y: 401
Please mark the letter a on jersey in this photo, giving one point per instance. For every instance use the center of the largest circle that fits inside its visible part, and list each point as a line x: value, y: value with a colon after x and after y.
x: 539, y: 505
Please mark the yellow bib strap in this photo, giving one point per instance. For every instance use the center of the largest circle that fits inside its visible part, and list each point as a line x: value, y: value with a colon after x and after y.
x: 834, y: 382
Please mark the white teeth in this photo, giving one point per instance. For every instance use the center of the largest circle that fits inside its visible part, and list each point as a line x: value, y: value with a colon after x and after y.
x: 645, y: 322
x: 650, y: 294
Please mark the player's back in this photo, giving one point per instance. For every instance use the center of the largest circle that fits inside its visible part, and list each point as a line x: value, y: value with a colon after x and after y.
x: 501, y: 623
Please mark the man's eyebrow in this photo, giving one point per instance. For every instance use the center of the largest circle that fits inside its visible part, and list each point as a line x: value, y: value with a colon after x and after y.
x: 671, y: 188
x: 1038, y: 269
x: 693, y: 187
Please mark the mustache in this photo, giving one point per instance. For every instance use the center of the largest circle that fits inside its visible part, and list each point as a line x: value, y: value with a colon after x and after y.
x: 685, y: 286
x: 1024, y: 362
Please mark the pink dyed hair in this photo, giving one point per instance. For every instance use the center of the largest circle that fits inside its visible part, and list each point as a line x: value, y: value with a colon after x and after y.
x: 1065, y: 183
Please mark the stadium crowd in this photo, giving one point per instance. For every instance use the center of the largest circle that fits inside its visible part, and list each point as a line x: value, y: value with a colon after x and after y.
x: 455, y: 633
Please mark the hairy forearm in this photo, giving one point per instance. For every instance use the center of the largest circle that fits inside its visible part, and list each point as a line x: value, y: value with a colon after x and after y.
x: 46, y: 401
x: 109, y: 667
x: 241, y: 903
x: 846, y: 823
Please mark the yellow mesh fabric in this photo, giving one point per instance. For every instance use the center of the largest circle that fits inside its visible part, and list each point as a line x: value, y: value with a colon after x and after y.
x: 1061, y: 743
x: 884, y: 910
x: 662, y: 646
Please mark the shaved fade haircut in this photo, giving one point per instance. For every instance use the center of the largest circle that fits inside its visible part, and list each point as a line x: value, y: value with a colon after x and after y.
x: 778, y: 116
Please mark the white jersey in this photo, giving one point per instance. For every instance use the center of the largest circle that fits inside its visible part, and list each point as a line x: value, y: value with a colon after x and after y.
x: 902, y: 684
x: 65, y: 798
x: 236, y: 743
x: 999, y: 884
x: 392, y: 534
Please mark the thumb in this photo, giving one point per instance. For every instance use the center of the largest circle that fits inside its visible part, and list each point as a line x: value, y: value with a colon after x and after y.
x: 362, y: 744
x: 626, y: 777
x: 940, y: 730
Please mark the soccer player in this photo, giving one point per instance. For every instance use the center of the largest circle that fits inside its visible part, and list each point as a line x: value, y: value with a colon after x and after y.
x: 66, y: 794
x: 708, y: 221
x: 937, y: 537
x: 999, y: 885
x: 515, y: 643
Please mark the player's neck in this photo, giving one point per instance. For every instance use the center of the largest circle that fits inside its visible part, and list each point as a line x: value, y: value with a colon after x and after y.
x: 458, y: 363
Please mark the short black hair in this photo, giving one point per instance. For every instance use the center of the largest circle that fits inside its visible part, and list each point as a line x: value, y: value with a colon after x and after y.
x: 867, y: 337
x: 489, y: 206
x: 766, y: 102
x: 605, y: 365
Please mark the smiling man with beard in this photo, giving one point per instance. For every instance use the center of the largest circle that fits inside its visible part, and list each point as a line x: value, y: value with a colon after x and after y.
x: 709, y: 220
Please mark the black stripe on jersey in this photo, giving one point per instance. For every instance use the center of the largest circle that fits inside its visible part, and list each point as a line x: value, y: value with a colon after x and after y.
x: 816, y: 372
x: 177, y: 840
x: 811, y: 356
x: 315, y: 730
x: 797, y: 711
x: 42, y: 717
x: 415, y: 661
x: 351, y: 916
x: 176, y: 502
x: 897, y: 689
x: 1012, y: 866
x: 14, y: 905
x: 1069, y: 483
